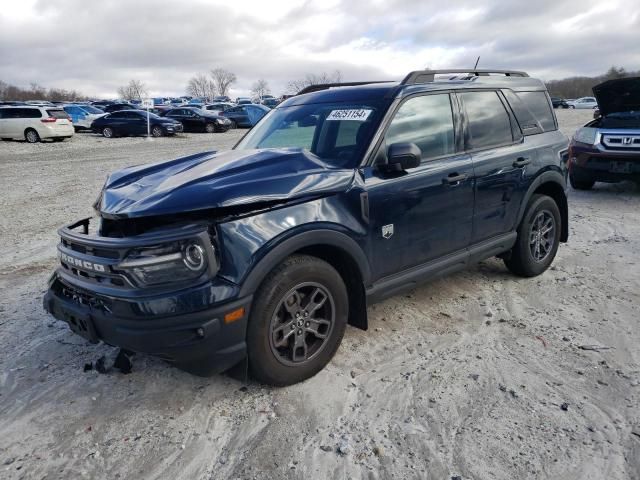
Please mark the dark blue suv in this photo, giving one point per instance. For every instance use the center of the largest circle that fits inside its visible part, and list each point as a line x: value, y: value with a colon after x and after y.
x: 341, y: 196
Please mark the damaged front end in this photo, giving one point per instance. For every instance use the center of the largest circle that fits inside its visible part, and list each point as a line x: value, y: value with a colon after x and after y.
x: 149, y: 275
x: 153, y: 292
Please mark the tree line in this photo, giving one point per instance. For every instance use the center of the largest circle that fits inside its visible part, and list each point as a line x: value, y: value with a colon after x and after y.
x: 38, y: 92
x: 576, y: 87
x: 219, y: 81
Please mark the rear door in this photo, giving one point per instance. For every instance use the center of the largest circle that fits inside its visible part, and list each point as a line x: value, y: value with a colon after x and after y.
x: 62, y: 122
x: 136, y: 122
x: 5, y: 125
x: 425, y: 213
x: 495, y: 142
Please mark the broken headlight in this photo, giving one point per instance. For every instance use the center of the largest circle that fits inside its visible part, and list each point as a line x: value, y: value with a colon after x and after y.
x: 171, y: 263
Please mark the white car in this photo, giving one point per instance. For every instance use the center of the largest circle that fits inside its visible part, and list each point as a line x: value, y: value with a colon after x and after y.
x: 584, y: 102
x: 31, y: 123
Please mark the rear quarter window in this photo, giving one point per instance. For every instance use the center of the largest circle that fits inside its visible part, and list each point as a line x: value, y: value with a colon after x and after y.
x: 26, y: 113
x: 538, y: 105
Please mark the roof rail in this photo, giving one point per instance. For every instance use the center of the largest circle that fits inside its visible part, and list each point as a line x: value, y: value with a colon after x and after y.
x: 326, y: 86
x: 424, y: 76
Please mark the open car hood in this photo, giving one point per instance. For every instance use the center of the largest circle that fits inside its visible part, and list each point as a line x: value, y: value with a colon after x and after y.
x: 217, y: 180
x: 619, y: 95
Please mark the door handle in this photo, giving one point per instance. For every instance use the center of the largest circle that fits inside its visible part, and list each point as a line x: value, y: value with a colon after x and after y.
x: 454, y: 178
x: 521, y: 162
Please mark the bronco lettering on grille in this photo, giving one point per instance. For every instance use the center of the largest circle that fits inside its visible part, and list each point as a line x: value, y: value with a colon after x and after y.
x: 95, y: 267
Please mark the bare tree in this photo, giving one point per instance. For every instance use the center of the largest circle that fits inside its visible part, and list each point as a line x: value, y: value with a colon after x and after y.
x: 295, y: 86
x: 260, y: 88
x: 4, y: 86
x: 135, y: 90
x: 223, y: 79
x: 201, y: 86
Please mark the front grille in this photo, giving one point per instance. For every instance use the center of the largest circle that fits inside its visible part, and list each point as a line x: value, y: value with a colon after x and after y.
x: 621, y: 142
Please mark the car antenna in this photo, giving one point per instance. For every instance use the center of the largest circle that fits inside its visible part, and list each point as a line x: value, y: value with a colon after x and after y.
x: 477, y: 61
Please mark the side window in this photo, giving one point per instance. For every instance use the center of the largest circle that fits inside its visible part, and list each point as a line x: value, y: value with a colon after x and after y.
x: 2, y: 113
x: 538, y: 104
x: 487, y: 119
x: 426, y: 121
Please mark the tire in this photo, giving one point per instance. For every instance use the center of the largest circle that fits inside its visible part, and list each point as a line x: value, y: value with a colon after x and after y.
x: 533, y: 254
x: 210, y: 128
x: 581, y: 184
x: 157, y: 131
x: 233, y: 125
x: 31, y: 136
x: 108, y: 132
x: 273, y: 355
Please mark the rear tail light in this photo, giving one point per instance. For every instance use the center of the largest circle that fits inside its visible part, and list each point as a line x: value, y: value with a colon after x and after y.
x: 48, y: 120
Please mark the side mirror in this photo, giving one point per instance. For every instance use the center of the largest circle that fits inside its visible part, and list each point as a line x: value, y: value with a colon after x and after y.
x: 401, y: 156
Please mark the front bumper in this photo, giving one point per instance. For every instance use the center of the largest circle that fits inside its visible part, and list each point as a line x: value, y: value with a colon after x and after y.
x: 593, y: 163
x: 184, y: 325
x: 200, y: 342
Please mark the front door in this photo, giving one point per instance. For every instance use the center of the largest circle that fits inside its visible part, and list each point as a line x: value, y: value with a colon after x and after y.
x: 426, y: 212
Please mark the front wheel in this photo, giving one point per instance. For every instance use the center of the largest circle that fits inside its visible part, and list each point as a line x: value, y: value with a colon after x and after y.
x: 157, y: 131
x: 233, y: 125
x: 538, y: 238
x: 210, y: 128
x: 581, y: 184
x: 108, y: 132
x: 297, y: 321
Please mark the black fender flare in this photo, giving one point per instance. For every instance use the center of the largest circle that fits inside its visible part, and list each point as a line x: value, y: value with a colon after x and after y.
x: 555, y: 177
x: 308, y: 238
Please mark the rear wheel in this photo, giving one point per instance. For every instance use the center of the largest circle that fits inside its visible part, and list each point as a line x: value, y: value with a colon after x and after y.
x: 297, y: 321
x: 31, y: 136
x: 209, y: 128
x: 233, y: 125
x: 538, y: 238
x: 157, y: 131
x: 582, y: 184
x: 108, y: 132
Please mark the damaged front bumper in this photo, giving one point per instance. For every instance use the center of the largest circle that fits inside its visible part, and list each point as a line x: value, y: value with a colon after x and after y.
x: 187, y: 325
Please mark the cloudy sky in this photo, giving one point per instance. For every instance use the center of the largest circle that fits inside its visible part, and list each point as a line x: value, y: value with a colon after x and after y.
x: 96, y: 46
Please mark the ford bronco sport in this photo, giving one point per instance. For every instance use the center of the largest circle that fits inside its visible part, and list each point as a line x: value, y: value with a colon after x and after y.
x: 607, y: 149
x: 341, y: 196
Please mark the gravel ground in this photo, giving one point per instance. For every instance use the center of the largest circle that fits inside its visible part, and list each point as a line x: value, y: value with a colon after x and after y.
x: 479, y: 375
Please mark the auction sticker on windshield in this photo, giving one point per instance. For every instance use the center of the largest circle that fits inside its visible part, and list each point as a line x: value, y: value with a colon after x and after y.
x: 358, y: 114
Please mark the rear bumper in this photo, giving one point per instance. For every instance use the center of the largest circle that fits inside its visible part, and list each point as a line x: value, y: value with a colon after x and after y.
x: 57, y: 131
x: 197, y: 341
x: 587, y: 163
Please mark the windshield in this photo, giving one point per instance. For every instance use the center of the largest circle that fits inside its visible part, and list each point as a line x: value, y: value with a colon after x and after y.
x: 336, y: 132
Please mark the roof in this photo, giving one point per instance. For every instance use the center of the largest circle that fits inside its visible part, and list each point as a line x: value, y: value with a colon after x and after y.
x: 416, y: 82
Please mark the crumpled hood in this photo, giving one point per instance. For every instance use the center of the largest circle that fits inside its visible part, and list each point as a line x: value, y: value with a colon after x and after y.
x: 618, y: 95
x: 214, y: 180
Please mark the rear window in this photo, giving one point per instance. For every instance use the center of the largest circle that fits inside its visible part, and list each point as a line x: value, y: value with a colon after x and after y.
x: 58, y: 113
x: 538, y: 105
x: 488, y: 121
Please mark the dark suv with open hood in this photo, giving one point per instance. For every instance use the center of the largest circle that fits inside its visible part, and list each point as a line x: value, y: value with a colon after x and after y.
x: 339, y: 197
x: 607, y: 149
